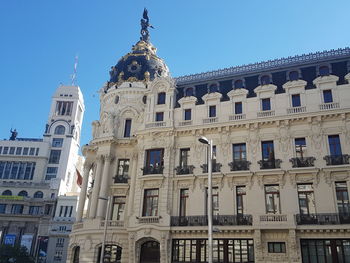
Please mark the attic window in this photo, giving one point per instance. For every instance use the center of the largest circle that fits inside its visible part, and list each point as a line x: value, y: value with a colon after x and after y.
x: 213, y: 88
x: 189, y: 92
x: 265, y: 80
x: 324, y: 71
x: 293, y: 75
x: 238, y: 84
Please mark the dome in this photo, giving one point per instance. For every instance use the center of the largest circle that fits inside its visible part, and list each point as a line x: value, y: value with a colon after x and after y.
x: 142, y: 64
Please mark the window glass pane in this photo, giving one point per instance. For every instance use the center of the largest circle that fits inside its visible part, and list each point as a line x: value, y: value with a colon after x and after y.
x: 238, y: 108
x: 293, y: 75
x: 127, y: 129
x: 334, y: 145
x: 212, y: 111
x: 296, y: 100
x: 55, y: 156
x: 324, y: 71
x: 267, y: 150
x: 266, y: 104
x: 159, y: 116
x: 238, y: 84
x: 161, y: 98
x: 265, y: 80
x: 189, y: 92
x: 239, y: 151
x: 188, y: 114
x: 57, y: 142
x: 327, y: 96
x: 300, y: 147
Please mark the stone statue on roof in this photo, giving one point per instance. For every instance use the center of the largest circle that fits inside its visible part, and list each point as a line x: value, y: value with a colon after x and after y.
x: 144, y: 26
x: 14, y: 134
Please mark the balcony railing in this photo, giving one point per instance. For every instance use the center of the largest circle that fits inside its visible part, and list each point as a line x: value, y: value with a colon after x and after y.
x: 329, y: 106
x: 239, y: 165
x: 265, y: 113
x: 295, y: 110
x: 185, y: 123
x: 273, y: 218
x: 152, y: 169
x: 236, y: 117
x: 216, y: 167
x: 218, y: 220
x: 337, y: 159
x: 302, y: 162
x: 148, y: 220
x: 323, y: 219
x: 120, y: 179
x: 187, y: 169
x: 210, y: 120
x: 112, y: 223
x: 156, y: 124
x: 270, y: 164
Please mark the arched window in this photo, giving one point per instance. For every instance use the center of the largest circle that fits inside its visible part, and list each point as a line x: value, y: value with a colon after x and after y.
x: 213, y: 88
x: 76, y: 252
x: 116, y: 100
x: 189, y: 92
x: 38, y: 194
x: 23, y: 193
x: 324, y: 71
x: 7, y: 192
x: 60, y: 130
x: 238, y: 84
x: 113, y: 254
x: 265, y: 80
x: 293, y: 75
x: 144, y: 99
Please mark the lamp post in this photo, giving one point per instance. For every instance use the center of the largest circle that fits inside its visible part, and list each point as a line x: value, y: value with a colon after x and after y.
x: 209, y: 144
x: 105, y: 228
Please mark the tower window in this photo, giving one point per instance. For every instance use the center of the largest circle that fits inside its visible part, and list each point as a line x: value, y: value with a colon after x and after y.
x: 161, y: 98
x: 57, y: 142
x: 127, y: 129
x: 64, y: 108
x: 60, y: 130
x: 55, y: 156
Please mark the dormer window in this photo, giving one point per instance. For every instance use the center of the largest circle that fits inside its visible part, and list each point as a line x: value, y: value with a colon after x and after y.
x: 265, y: 104
x: 327, y: 96
x: 188, y: 114
x: 189, y: 92
x: 265, y: 80
x: 212, y: 111
x: 324, y: 71
x: 161, y: 98
x: 213, y: 88
x: 296, y: 100
x: 293, y: 75
x: 238, y: 84
x: 238, y: 108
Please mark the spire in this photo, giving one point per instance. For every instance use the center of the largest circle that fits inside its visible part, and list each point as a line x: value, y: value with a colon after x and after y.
x: 74, y: 75
x: 144, y: 26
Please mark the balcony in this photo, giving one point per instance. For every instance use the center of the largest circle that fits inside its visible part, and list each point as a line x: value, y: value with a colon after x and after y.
x: 152, y: 169
x: 337, y: 159
x: 187, y: 169
x: 155, y: 124
x: 148, y: 220
x: 218, y: 220
x: 295, y: 110
x: 120, y: 179
x: 112, y: 223
x: 236, y: 117
x: 270, y: 164
x: 239, y: 165
x: 185, y: 123
x: 329, y: 106
x: 302, y: 162
x: 323, y: 219
x: 266, y: 113
x: 216, y: 168
x: 210, y: 120
x: 273, y: 218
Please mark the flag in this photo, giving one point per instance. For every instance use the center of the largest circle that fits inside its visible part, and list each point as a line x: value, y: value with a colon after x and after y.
x: 79, y: 178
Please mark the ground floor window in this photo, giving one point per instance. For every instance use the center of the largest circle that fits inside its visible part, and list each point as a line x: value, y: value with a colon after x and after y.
x: 224, y: 250
x: 113, y: 254
x: 325, y: 250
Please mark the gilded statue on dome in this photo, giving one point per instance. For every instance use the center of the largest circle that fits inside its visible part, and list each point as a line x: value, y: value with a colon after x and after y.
x: 144, y: 26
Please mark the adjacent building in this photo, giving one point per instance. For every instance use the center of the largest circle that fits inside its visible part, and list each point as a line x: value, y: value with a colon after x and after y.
x: 38, y: 189
x: 281, y: 172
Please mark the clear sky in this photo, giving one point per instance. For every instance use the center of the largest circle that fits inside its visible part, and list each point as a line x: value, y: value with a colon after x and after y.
x: 40, y: 38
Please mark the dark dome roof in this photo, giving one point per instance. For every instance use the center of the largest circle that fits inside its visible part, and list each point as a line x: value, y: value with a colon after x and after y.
x: 142, y: 64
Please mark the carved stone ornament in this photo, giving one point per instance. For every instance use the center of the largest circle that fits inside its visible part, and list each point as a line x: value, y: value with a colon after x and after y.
x: 240, y: 180
x: 279, y: 179
x: 216, y: 182
x: 152, y: 183
x: 188, y: 183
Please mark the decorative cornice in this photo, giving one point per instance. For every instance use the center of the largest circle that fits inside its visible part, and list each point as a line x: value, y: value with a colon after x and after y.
x: 265, y: 65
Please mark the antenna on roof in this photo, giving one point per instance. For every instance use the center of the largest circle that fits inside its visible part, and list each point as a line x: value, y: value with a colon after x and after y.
x: 74, y: 75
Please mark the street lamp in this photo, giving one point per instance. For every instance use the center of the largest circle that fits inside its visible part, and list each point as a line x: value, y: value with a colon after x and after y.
x: 209, y: 144
x: 105, y: 228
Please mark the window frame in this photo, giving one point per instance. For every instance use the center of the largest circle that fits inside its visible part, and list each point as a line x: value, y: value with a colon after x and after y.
x: 150, y: 208
x: 161, y: 98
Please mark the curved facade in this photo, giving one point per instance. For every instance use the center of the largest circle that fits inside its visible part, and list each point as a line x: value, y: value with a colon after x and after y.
x: 280, y: 172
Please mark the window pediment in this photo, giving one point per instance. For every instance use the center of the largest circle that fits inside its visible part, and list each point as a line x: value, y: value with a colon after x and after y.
x: 190, y: 100
x: 238, y: 93
x: 295, y: 86
x: 265, y: 90
x: 325, y: 81
x: 214, y: 96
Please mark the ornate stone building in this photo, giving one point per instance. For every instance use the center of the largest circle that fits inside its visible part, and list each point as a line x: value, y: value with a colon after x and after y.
x: 281, y: 131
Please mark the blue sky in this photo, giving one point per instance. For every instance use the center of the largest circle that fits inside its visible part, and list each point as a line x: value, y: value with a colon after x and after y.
x: 39, y: 39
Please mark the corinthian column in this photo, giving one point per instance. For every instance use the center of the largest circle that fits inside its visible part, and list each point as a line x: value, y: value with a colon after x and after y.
x: 96, y: 187
x: 102, y: 201
x: 82, y: 195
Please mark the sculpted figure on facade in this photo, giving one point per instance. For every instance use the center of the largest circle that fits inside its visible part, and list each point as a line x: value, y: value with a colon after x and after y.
x: 253, y: 140
x: 284, y: 140
x: 95, y: 129
x: 317, y: 136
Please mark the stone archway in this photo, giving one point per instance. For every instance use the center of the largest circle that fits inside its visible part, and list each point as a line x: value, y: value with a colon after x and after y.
x: 149, y: 252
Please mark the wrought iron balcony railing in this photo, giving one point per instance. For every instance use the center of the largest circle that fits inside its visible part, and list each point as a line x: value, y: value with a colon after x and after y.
x: 323, y: 219
x: 187, y: 169
x: 270, y: 164
x: 302, y: 162
x: 239, y: 165
x: 152, y: 169
x: 337, y: 159
x: 218, y: 220
x: 216, y: 167
x: 120, y: 179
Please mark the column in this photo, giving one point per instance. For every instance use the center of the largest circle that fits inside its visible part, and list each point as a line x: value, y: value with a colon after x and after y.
x: 82, y: 194
x: 96, y: 188
x: 102, y: 201
x: 132, y: 178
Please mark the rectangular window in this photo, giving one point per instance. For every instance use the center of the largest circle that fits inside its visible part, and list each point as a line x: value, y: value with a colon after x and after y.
x: 300, y: 147
x: 296, y: 100
x: 188, y: 114
x: 327, y: 96
x: 150, y: 202
x: 34, y: 210
x: 240, y: 200
x: 18, y: 150
x: 272, y: 199
x: 127, y: 128
x: 17, y: 209
x: 183, y: 202
x: 0, y: 149
x: 12, y: 150
x: 159, y: 116
x: 276, y: 247
x: 184, y: 155
x: 212, y: 111
x: 64, y: 108
x: 238, y: 108
x: 118, y: 208
x: 55, y: 156
x: 123, y: 171
x: 51, y: 172
x: 57, y: 142
x: 6, y: 149
x: 266, y: 104
x: 154, y: 157
x: 32, y: 151
x: 2, y: 208
x: 343, y: 204
x: 36, y: 151
x: 306, y: 199
x: 268, y: 153
x: 239, y: 152
x: 14, y: 170
x: 161, y: 98
x: 215, y: 198
x: 25, y: 150
x: 334, y: 145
